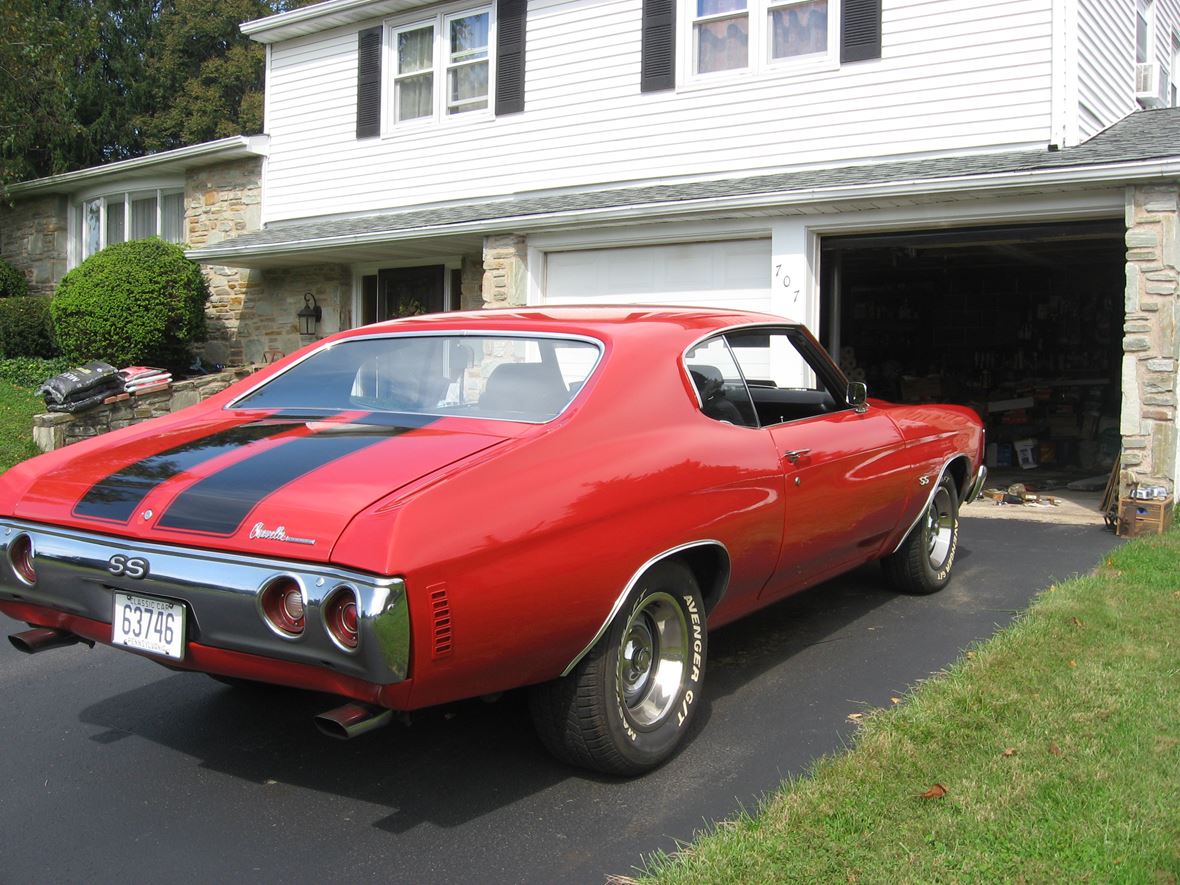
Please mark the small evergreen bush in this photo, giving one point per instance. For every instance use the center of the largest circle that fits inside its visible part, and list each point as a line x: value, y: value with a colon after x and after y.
x: 138, y: 302
x: 27, y: 371
x: 26, y: 328
x: 12, y: 281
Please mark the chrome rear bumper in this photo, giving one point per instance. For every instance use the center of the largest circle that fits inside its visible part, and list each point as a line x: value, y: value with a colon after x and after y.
x: 220, y: 593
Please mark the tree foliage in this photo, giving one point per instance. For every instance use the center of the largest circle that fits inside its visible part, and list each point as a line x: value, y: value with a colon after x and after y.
x: 85, y: 82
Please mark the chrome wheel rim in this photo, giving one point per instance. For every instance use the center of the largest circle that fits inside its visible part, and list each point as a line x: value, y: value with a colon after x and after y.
x: 940, y: 528
x: 653, y: 658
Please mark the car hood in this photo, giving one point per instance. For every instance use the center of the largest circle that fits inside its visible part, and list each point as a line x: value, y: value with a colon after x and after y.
x: 264, y: 484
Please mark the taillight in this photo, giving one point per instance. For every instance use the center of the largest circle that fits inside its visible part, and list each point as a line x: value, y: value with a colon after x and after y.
x: 282, y: 606
x: 20, y: 554
x: 341, y: 617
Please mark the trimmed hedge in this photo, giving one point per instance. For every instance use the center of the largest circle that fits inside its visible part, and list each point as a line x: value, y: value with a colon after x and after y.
x: 139, y: 302
x: 26, y: 328
x: 12, y: 281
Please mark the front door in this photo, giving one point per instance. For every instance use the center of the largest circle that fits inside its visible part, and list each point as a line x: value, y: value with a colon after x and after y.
x: 409, y: 291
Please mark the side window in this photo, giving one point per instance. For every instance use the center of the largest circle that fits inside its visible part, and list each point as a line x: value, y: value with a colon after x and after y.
x: 786, y: 380
x: 719, y: 383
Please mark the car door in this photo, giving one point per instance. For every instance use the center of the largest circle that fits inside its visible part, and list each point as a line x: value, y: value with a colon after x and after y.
x: 845, y: 481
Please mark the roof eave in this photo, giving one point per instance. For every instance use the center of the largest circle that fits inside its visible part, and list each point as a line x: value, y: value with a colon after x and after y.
x: 1088, y: 176
x: 234, y: 147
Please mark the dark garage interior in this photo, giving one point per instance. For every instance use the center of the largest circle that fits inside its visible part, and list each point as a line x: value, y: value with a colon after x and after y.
x: 1024, y: 324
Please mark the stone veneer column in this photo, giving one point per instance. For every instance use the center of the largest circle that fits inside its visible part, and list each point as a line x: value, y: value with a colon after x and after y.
x: 505, y: 263
x: 34, y: 239
x: 222, y: 202
x: 1150, y: 346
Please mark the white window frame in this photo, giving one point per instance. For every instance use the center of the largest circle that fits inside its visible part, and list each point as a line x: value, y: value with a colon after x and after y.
x: 1145, y: 12
x: 759, y: 62
x: 442, y: 66
x: 79, y: 250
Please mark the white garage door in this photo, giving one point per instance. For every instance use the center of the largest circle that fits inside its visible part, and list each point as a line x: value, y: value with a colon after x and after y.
x: 734, y: 273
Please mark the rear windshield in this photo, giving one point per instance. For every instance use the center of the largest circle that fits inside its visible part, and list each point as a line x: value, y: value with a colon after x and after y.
x: 516, y: 378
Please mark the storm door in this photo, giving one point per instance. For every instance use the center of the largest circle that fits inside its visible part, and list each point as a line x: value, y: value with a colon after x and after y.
x: 403, y: 292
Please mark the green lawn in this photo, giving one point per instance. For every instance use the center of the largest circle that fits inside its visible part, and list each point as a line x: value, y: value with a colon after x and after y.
x: 18, y: 405
x: 1057, y: 744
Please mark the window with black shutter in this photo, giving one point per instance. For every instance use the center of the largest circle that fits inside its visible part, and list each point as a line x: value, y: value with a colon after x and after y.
x: 510, y: 28
x: 368, y: 83
x: 658, y: 65
x: 860, y: 30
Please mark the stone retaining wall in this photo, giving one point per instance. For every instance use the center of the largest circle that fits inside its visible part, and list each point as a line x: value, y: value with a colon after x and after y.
x: 54, y: 430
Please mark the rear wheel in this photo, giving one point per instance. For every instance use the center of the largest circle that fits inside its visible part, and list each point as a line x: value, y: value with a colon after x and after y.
x: 922, y: 564
x: 627, y: 704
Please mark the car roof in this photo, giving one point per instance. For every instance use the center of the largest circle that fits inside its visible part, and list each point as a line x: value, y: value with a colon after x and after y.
x: 597, y: 320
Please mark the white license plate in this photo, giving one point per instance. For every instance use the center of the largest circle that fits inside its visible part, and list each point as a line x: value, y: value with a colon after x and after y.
x: 146, y: 624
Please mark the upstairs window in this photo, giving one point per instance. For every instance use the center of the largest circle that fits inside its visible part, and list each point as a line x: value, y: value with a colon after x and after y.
x: 757, y: 35
x: 442, y: 66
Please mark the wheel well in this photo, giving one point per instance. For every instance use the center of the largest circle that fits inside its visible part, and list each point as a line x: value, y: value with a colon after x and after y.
x: 958, y: 469
x: 709, y: 564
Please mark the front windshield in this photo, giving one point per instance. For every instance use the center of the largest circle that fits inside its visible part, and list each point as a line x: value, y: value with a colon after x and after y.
x: 519, y: 378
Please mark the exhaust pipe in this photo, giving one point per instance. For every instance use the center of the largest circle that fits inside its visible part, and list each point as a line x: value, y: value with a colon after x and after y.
x: 43, y: 639
x: 353, y: 719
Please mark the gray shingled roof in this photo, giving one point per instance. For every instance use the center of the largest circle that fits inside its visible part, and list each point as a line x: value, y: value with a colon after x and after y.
x: 1142, y: 136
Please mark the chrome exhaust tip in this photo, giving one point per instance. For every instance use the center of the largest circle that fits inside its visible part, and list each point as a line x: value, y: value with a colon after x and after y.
x: 43, y: 639
x: 352, y: 719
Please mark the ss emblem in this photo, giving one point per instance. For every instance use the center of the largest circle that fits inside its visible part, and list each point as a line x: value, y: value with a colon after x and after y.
x: 127, y: 566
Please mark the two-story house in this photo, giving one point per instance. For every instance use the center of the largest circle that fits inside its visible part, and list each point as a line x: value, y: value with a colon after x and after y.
x: 975, y: 202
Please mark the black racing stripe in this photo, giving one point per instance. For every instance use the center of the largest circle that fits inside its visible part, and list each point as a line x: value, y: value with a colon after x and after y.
x: 218, y: 504
x: 117, y: 496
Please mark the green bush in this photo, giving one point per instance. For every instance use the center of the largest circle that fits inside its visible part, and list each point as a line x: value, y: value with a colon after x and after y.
x: 12, y: 281
x: 27, y: 371
x: 26, y: 328
x: 139, y: 302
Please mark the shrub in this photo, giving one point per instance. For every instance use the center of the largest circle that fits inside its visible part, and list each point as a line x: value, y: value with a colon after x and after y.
x: 12, y: 281
x: 26, y: 328
x: 136, y: 302
x: 30, y: 371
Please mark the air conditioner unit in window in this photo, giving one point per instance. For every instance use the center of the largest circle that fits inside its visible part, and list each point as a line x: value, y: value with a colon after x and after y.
x: 1149, y: 90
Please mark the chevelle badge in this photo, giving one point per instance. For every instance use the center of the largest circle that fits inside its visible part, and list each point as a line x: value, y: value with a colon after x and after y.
x: 258, y: 530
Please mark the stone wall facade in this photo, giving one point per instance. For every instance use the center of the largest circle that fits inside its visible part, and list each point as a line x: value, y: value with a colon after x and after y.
x: 505, y: 262
x: 221, y: 202
x: 34, y: 239
x: 269, y: 326
x: 54, y: 430
x: 1151, y: 350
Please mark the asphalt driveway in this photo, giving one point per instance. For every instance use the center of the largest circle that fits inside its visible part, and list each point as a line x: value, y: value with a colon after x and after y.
x: 114, y: 769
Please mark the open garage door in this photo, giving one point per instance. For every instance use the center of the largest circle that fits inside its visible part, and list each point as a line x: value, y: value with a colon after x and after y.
x: 1023, y: 323
x: 733, y: 274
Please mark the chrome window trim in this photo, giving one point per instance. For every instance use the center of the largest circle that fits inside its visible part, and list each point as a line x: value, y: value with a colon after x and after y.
x: 621, y: 600
x: 436, y: 333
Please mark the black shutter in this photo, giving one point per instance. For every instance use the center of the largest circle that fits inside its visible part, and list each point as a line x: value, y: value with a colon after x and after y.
x: 510, y: 27
x: 860, y: 30
x: 658, y: 68
x: 368, y: 83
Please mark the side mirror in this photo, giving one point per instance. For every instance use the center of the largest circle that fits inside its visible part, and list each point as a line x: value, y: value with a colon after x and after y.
x: 858, y: 396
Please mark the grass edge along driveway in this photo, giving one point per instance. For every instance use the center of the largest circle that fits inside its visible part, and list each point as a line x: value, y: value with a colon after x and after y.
x: 1050, y: 753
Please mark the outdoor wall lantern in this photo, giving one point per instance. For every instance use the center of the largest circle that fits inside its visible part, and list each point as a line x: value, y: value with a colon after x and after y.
x: 309, y: 315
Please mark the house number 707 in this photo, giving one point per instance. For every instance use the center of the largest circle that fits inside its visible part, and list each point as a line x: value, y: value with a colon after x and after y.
x: 785, y: 281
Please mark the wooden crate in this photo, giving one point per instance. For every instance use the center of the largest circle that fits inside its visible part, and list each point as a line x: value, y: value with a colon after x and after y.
x: 1144, y: 517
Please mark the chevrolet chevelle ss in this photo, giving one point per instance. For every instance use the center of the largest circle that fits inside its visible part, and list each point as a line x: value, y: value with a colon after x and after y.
x: 451, y: 506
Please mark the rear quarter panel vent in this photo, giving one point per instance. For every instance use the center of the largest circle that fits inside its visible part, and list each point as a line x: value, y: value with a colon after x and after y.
x: 442, y: 639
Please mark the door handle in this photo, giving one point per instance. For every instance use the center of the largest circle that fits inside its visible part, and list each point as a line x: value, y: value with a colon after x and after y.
x: 795, y: 454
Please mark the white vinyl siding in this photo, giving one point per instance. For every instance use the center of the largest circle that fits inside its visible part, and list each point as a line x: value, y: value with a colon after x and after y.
x: 937, y: 88
x: 1106, y: 58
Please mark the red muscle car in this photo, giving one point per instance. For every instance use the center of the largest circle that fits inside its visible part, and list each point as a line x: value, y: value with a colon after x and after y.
x: 451, y: 506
